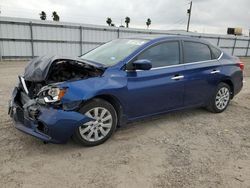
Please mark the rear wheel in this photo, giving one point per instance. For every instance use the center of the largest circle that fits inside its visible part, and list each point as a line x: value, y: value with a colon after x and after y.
x: 220, y: 99
x: 102, y: 126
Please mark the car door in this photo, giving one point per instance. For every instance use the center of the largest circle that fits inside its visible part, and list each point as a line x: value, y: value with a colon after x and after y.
x: 161, y: 88
x: 202, y: 72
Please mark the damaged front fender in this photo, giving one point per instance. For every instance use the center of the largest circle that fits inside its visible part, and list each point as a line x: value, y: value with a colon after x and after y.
x: 84, y: 90
x: 61, y: 124
x: 47, y: 123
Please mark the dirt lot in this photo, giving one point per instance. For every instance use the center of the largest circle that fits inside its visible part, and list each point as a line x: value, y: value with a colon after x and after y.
x: 193, y: 148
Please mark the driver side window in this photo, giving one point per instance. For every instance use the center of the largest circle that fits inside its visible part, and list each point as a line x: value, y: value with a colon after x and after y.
x: 164, y: 54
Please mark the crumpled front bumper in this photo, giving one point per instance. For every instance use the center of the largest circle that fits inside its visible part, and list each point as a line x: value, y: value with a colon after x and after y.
x: 46, y: 123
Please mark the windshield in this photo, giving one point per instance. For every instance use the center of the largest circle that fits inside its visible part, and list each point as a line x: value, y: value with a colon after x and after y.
x: 112, y: 52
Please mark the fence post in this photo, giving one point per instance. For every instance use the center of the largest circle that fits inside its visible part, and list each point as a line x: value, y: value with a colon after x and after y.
x: 1, y: 45
x: 234, y: 45
x: 1, y: 56
x: 80, y: 40
x: 218, y: 42
x: 248, y: 47
x: 118, y: 33
x: 31, y: 40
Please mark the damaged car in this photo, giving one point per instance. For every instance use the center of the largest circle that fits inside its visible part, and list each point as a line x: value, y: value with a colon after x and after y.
x: 86, y: 98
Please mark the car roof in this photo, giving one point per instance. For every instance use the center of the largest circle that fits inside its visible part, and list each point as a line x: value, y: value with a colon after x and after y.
x: 166, y: 37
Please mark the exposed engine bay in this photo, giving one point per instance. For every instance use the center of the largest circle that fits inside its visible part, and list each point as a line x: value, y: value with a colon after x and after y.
x: 59, y: 70
x: 65, y: 70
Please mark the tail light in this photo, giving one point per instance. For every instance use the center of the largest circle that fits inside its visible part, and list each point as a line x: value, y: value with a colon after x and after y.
x: 241, y: 65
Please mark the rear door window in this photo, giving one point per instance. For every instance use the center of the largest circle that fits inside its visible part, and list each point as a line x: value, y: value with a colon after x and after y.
x: 196, y: 51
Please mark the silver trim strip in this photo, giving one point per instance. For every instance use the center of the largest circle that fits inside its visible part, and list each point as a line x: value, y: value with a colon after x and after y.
x: 193, y: 63
x: 220, y: 56
x: 177, y: 77
x: 215, y: 71
x: 24, y: 85
x: 169, y: 66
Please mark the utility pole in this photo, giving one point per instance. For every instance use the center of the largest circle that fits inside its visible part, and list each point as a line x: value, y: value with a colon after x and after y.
x: 189, y: 15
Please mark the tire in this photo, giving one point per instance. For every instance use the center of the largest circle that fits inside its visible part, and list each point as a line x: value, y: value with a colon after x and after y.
x: 221, y: 98
x: 96, y: 132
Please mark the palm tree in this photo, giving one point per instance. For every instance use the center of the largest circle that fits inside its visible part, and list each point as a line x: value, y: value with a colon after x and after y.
x: 42, y: 15
x: 148, y: 23
x: 55, y: 16
x: 127, y: 21
x: 109, y: 21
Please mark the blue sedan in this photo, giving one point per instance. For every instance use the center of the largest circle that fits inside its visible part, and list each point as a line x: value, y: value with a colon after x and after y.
x: 124, y: 80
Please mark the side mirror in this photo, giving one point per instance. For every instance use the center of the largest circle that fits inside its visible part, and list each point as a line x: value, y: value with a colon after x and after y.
x: 142, y: 64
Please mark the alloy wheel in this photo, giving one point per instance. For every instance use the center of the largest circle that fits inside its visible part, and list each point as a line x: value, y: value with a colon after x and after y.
x: 99, y: 127
x: 222, y: 98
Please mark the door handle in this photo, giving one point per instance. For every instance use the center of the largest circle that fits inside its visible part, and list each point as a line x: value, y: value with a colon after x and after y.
x: 177, y: 77
x: 215, y: 71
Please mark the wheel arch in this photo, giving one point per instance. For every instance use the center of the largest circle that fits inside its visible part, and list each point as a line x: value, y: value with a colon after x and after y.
x: 115, y: 102
x: 231, y: 85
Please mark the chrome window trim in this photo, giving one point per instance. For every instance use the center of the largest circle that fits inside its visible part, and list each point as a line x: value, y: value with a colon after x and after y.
x: 191, y: 63
x: 182, y: 64
x: 169, y: 66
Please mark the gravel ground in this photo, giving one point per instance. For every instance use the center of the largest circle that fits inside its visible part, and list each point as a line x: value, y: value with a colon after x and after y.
x: 192, y: 148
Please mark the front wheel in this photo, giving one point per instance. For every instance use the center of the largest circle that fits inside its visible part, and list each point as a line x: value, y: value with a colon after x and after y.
x: 102, y: 126
x: 220, y: 99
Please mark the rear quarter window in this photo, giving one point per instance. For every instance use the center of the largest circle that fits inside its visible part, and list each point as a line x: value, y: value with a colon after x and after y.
x: 195, y: 52
x: 215, y: 52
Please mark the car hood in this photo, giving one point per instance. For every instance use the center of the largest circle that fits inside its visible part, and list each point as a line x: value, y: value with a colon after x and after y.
x: 38, y: 68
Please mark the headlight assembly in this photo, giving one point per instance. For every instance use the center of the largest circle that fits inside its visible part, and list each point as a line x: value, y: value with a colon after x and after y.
x: 52, y: 94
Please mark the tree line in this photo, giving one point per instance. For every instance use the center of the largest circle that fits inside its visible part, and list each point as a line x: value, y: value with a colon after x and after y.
x: 55, y: 17
x: 127, y: 22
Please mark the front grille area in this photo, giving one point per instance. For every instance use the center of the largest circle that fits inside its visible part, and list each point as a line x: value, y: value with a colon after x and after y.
x: 43, y: 127
x: 20, y: 114
x: 34, y: 87
x: 24, y: 98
